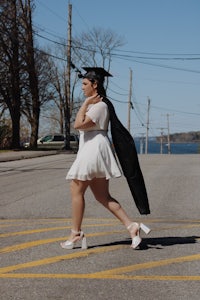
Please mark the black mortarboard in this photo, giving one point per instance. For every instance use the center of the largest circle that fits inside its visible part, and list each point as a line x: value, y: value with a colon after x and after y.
x: 96, y: 73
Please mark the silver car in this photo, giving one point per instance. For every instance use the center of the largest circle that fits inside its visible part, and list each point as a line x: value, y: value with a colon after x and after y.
x: 56, y: 142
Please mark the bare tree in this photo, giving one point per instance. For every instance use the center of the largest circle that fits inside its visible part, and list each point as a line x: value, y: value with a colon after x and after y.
x: 29, y: 57
x: 23, y: 74
x: 43, y: 70
x: 58, y: 82
x: 10, y: 65
x: 93, y: 48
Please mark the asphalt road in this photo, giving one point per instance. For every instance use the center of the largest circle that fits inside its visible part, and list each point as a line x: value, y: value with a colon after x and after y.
x: 35, y: 218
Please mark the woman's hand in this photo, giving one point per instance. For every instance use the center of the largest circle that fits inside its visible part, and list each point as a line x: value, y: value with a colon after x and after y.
x: 82, y: 121
x: 93, y: 99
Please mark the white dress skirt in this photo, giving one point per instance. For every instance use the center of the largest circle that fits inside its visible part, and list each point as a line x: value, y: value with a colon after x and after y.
x: 95, y: 158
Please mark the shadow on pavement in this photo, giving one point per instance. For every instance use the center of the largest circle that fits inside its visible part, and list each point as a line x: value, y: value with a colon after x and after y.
x: 157, y: 243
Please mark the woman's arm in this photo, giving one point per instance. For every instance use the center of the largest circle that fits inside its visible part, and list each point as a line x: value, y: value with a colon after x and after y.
x: 82, y: 121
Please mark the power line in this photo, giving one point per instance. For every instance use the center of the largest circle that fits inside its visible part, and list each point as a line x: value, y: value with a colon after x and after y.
x: 50, y: 40
x: 51, y: 55
x: 117, y: 92
x: 119, y: 101
x: 125, y: 102
x: 130, y: 58
x: 138, y: 117
x: 52, y: 11
x: 118, y: 86
x: 177, y: 111
x: 128, y: 51
x: 51, y: 33
x: 138, y: 57
x: 162, y: 66
x: 157, y: 58
x: 154, y: 53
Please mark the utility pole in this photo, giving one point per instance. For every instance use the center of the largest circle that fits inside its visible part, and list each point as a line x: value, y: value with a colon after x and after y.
x: 161, y: 142
x: 147, y: 128
x: 68, y: 87
x: 168, y: 135
x: 130, y: 105
x: 161, y: 139
x: 141, y: 143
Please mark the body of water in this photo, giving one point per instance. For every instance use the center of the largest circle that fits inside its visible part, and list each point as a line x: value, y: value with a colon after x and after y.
x: 175, y: 148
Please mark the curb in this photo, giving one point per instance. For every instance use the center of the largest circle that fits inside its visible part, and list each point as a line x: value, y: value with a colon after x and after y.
x: 18, y: 155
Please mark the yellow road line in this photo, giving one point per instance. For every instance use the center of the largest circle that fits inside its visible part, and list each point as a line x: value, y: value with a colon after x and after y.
x: 172, y: 221
x: 158, y: 220
x: 55, y: 220
x: 176, y: 227
x: 34, y: 220
x: 51, y: 220
x: 3, y: 235
x: 31, y: 244
x: 32, y: 231
x: 110, y: 272
x: 31, y: 223
x: 148, y: 265
x: 92, y: 276
x: 55, y: 259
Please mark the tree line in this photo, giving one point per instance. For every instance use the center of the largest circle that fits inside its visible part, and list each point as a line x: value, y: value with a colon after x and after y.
x: 33, y: 80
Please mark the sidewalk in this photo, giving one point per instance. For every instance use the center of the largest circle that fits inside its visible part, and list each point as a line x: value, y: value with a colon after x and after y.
x: 17, y: 155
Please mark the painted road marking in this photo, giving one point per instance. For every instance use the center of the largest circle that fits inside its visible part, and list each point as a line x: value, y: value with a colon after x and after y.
x: 90, y: 276
x: 111, y: 273
x: 31, y: 244
x: 55, y: 259
x: 150, y: 264
x: 3, y: 235
x: 120, y: 273
x: 40, y: 230
x: 116, y: 273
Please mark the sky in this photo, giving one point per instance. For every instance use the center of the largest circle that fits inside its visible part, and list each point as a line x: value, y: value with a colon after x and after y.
x: 161, y: 48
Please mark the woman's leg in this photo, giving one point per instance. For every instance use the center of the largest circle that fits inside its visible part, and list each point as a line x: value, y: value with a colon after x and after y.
x: 100, y: 189
x: 78, y: 189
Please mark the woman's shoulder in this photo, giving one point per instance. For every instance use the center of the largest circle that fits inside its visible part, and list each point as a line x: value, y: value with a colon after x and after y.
x: 101, y: 104
x: 97, y: 106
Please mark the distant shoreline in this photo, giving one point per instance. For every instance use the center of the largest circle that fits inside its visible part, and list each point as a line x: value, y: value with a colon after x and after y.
x: 155, y: 147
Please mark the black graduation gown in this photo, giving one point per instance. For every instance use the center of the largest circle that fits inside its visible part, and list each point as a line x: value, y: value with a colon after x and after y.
x: 126, y: 152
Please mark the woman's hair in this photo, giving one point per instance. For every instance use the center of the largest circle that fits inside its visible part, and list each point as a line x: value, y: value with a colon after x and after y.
x: 100, y: 88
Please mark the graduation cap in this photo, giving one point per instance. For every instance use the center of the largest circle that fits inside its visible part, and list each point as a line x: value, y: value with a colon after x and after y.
x: 95, y: 73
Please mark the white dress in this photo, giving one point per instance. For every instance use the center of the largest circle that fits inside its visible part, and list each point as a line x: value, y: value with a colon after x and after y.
x: 95, y: 157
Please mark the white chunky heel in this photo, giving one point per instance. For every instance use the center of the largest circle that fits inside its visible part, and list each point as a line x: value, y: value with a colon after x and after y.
x: 79, y: 237
x: 136, y: 240
x: 145, y: 228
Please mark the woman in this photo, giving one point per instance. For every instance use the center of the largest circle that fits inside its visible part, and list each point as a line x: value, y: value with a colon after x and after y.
x: 95, y: 163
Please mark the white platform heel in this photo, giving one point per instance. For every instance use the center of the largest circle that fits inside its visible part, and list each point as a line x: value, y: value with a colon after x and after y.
x: 79, y: 237
x: 136, y: 240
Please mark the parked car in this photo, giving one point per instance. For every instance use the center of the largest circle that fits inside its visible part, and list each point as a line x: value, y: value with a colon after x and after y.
x: 56, y: 142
